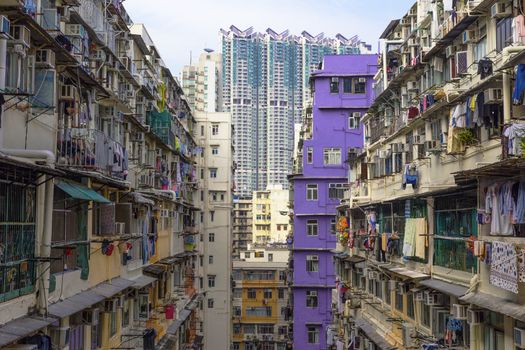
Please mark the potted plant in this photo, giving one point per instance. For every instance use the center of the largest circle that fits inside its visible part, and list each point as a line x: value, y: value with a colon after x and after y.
x: 467, y: 137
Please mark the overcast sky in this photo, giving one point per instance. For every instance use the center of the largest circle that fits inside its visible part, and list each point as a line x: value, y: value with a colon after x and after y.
x: 180, y: 26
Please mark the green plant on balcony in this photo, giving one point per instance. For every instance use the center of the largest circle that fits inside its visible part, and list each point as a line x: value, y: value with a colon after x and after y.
x: 522, y: 145
x: 467, y: 137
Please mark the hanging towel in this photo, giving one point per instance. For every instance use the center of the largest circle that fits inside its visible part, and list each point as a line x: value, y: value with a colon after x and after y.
x: 503, y: 270
x: 421, y: 238
x: 409, y: 241
x: 384, y: 240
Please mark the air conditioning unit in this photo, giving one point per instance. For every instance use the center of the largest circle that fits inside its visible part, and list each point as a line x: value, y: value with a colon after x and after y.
x: 21, y: 35
x: 459, y: 311
x: 475, y: 316
x: 493, y: 95
x: 76, y: 30
x: 137, y: 137
x: 409, y: 334
x: 383, y: 154
x: 45, y: 58
x: 411, y: 85
x: 450, y: 51
x: 67, y: 92
x: 120, y: 228
x: 519, y: 338
x: 111, y: 305
x: 99, y: 55
x: 501, y: 10
x: 373, y: 275
x: 402, y: 288
x: 419, y: 296
x: 470, y: 36
x: 461, y: 62
x: 90, y: 316
x: 59, y: 336
x: 392, y: 285
x: 362, y: 80
x: 432, y: 299
x: 5, y: 26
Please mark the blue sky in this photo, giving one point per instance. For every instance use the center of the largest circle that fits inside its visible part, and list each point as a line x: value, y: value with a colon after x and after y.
x: 180, y: 26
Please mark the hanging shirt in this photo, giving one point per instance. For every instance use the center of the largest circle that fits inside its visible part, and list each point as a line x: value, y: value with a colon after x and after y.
x: 484, y: 67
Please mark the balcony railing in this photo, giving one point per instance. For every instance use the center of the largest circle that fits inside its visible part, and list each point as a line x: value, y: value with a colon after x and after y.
x: 88, y: 149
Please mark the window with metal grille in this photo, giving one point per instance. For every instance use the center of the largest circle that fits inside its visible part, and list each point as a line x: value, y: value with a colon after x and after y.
x: 312, y: 263
x: 334, y: 85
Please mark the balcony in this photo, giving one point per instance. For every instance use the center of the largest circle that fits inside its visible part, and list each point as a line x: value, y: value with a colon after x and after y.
x: 91, y: 150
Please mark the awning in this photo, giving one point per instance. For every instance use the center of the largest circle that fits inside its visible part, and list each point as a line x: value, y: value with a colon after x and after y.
x: 156, y: 270
x: 78, y: 191
x: 74, y: 304
x: 406, y: 273
x: 22, y: 327
x: 140, y: 199
x: 371, y: 334
x: 445, y: 287
x: 340, y: 255
x: 113, y: 287
x: 143, y: 281
x: 354, y: 259
x: 183, y: 316
x: 496, y: 304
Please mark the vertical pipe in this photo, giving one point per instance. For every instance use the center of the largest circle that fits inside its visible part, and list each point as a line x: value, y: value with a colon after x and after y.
x: 3, y: 69
x: 506, y: 97
x: 45, y: 247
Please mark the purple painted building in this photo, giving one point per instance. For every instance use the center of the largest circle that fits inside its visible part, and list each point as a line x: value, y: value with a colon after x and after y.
x: 343, y: 92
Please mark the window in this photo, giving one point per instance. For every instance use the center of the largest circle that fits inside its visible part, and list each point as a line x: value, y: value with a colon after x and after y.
x: 332, y: 226
x: 259, y: 254
x: 202, y: 130
x: 270, y: 257
x: 359, y: 85
x: 425, y: 314
x: 237, y: 293
x: 309, y: 155
x: 247, y: 255
x: 336, y: 191
x: 211, y: 237
x: 282, y: 275
x: 312, y: 263
x: 252, y: 293
x: 311, y: 298
x: 210, y: 259
x: 214, y: 150
x: 201, y: 261
x: 210, y: 303
x: 213, y: 173
x: 313, y: 335
x: 347, y: 85
x: 311, y: 227
x: 212, y: 215
x: 202, y: 174
x: 211, y: 281
x: 332, y: 156
x: 215, y: 129
x: 354, y: 120
x: 125, y: 313
x: 280, y: 294
x: 112, y: 323
x: 214, y: 196
x: 311, y: 192
x: 201, y: 282
x: 265, y: 311
x: 410, y: 306
x: 334, y: 85
x: 399, y: 301
x: 267, y: 294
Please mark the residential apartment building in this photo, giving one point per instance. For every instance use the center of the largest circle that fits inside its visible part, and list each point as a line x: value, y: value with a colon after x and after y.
x: 265, y: 78
x: 97, y: 181
x: 242, y: 225
x: 202, y: 82
x: 331, y: 131
x: 427, y: 255
x: 215, y: 168
x: 270, y: 215
x: 260, y: 298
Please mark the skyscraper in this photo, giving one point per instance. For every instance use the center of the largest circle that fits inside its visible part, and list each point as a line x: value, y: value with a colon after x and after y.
x: 202, y: 82
x: 265, y: 81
